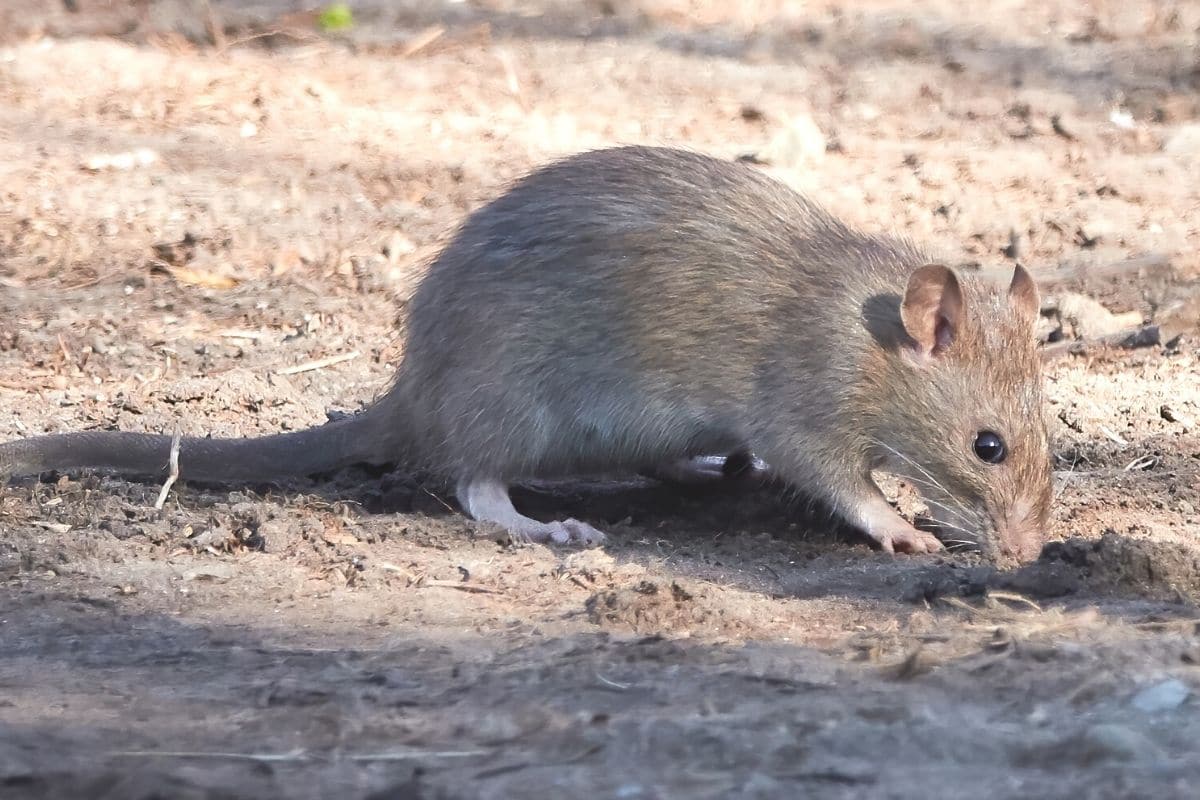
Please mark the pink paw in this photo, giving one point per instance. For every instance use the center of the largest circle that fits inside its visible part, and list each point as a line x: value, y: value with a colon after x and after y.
x: 908, y: 541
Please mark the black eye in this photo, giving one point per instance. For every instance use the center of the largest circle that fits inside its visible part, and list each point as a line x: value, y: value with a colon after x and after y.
x: 990, y: 447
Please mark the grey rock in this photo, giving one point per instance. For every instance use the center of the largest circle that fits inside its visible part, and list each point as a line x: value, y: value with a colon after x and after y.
x: 1164, y: 696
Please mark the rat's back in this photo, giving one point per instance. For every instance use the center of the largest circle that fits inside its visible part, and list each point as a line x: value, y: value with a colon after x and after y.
x: 618, y: 306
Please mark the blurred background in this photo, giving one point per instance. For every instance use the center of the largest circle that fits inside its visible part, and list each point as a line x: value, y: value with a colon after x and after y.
x: 296, y: 134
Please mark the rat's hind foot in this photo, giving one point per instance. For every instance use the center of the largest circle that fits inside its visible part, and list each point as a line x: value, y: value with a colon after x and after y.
x: 488, y: 501
x: 567, y: 531
x: 708, y: 469
x: 687, y: 471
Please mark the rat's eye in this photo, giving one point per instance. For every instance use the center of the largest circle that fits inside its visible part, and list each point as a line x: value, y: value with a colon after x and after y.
x: 990, y: 447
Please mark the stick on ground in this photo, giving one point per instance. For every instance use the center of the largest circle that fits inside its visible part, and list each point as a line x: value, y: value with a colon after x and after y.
x: 172, y: 476
x: 320, y: 363
x: 1130, y: 338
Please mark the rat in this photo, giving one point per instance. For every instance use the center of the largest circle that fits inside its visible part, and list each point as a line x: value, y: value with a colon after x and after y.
x: 639, y: 307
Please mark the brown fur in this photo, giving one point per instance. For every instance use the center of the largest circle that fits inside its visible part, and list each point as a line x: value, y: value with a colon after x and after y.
x: 636, y: 305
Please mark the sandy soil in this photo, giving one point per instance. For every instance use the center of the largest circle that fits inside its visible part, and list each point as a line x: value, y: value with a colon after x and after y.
x: 193, y: 201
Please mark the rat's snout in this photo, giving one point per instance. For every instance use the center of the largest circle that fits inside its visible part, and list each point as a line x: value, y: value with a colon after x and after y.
x: 1021, y: 533
x: 1020, y: 544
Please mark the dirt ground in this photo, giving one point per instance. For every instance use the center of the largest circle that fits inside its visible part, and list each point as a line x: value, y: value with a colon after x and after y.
x: 195, y: 198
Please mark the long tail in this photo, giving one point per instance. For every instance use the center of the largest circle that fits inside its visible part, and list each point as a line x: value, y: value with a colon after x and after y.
x: 363, y: 438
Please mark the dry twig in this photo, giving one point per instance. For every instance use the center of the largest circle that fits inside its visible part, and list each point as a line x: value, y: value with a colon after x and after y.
x: 172, y: 476
x: 320, y: 363
x: 1046, y: 278
x: 1141, y: 336
x: 470, y: 588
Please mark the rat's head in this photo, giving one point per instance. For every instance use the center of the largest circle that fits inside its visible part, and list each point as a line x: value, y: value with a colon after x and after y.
x: 961, y: 411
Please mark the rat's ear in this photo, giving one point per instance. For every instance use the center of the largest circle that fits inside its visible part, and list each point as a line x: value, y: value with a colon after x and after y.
x: 932, y: 311
x: 1023, y: 293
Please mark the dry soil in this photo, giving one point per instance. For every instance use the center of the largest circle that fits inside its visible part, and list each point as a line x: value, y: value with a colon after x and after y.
x: 196, y: 197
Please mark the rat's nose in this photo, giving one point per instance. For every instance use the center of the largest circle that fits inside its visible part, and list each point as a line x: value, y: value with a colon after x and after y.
x: 1021, y: 547
x: 1022, y: 534
x: 1021, y: 543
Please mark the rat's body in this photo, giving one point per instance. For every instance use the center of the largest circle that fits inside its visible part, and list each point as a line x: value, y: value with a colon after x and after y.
x: 639, y: 306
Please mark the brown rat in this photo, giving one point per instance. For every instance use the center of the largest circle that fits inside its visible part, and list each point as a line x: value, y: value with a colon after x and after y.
x: 638, y: 306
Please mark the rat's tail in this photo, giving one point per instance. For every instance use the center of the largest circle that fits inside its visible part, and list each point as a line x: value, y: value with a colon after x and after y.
x: 366, y: 437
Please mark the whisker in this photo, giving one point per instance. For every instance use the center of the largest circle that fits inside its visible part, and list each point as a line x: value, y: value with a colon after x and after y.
x: 932, y: 483
x: 960, y: 509
x: 960, y: 513
x: 924, y: 471
x: 1067, y: 479
x: 919, y: 482
x: 954, y: 527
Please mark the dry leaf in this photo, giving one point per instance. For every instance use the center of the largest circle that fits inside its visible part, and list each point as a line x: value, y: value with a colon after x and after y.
x: 207, y: 280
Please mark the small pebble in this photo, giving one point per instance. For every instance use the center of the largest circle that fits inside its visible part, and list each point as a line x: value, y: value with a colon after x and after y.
x: 1184, y: 140
x: 1171, y: 415
x: 1164, y: 696
x: 799, y: 142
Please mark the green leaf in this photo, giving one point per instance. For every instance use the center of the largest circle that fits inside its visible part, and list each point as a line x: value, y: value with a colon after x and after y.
x: 336, y: 17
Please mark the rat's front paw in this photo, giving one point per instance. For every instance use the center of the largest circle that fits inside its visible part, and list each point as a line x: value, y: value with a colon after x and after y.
x: 908, y: 540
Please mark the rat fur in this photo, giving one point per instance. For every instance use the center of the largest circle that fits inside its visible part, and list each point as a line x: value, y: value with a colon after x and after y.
x: 641, y: 306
